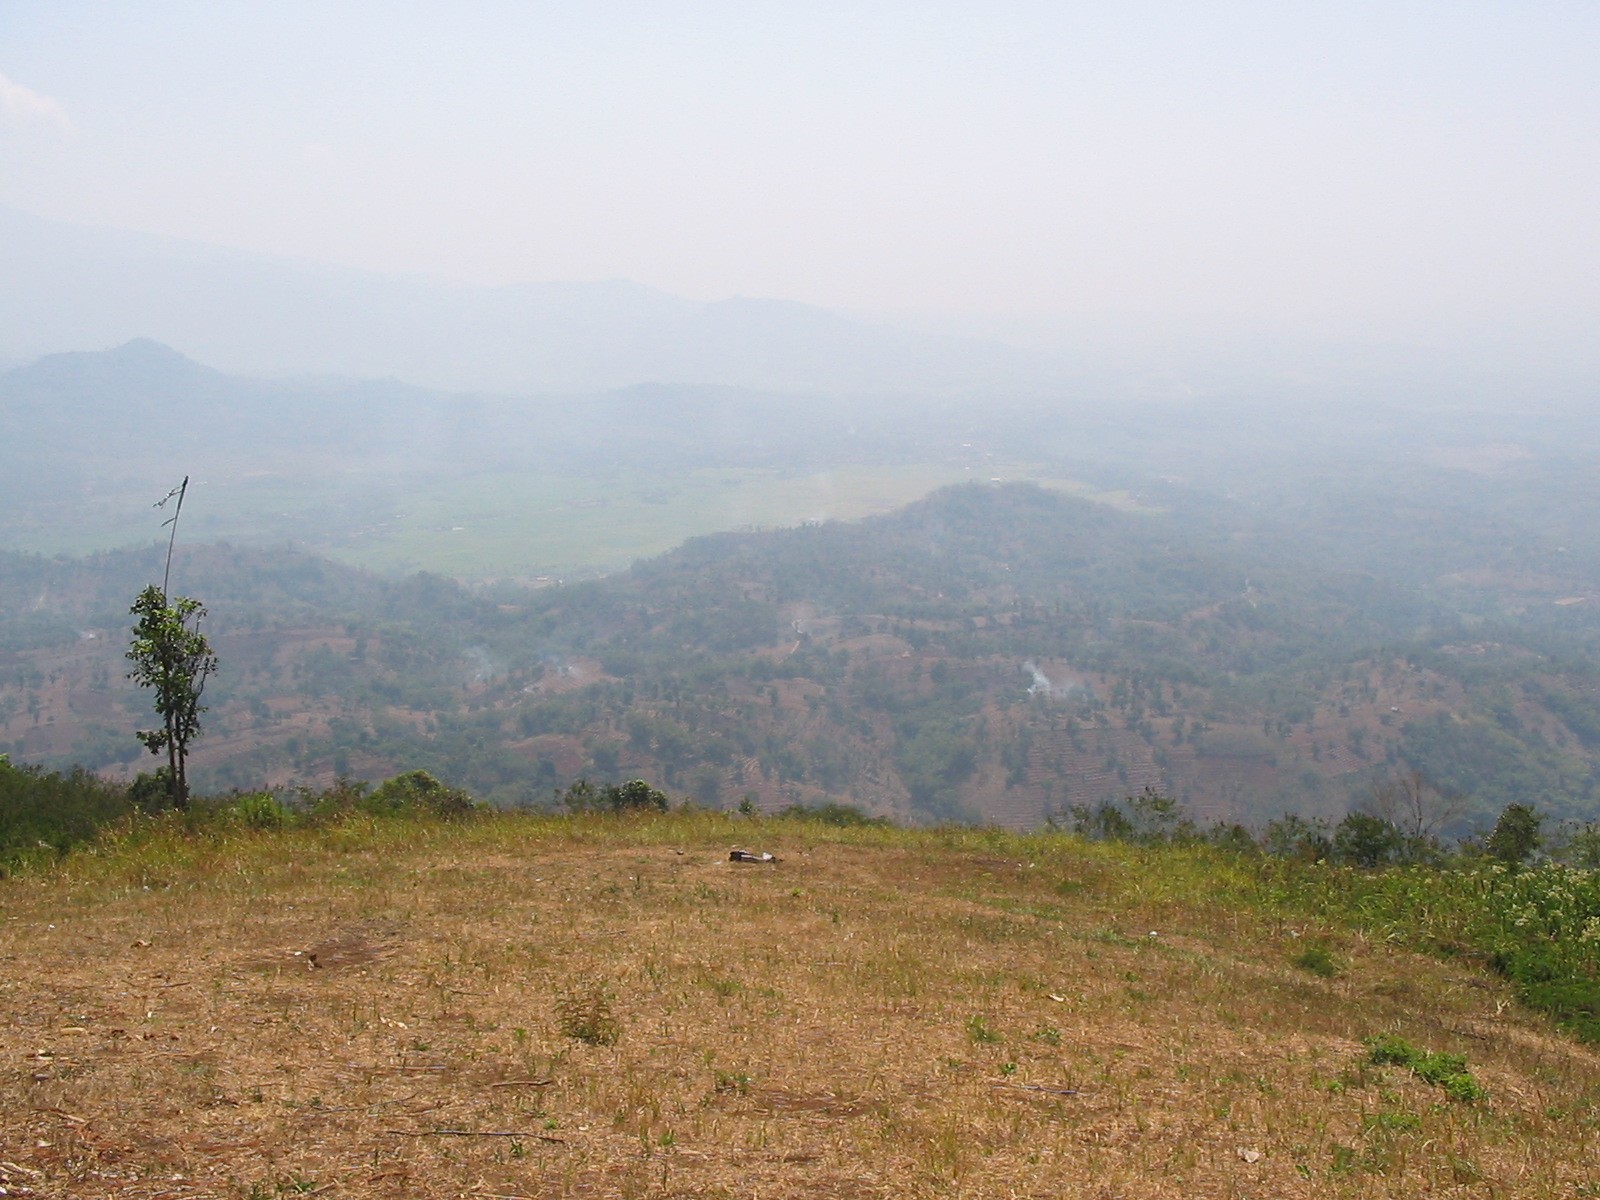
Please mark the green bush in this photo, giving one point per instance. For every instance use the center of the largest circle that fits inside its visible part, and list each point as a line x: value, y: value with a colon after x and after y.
x: 1292, y: 836
x: 1148, y: 819
x: 1515, y: 836
x: 150, y: 792
x: 344, y: 796
x: 634, y: 796
x: 841, y: 816
x: 416, y: 792
x: 258, y: 810
x: 48, y: 811
x: 1362, y: 840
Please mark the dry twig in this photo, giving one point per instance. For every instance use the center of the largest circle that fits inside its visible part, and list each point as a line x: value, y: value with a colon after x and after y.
x: 1038, y: 1087
x: 505, y: 1133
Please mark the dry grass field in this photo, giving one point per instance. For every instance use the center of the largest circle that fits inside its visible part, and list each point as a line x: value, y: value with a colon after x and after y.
x: 538, y: 1007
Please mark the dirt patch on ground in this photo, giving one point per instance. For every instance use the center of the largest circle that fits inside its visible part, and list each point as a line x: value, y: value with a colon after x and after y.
x: 355, y: 946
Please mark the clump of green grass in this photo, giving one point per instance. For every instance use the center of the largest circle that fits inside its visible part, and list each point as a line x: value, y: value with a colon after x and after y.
x: 1448, y: 1071
x: 1391, y: 1122
x: 1539, y: 927
x: 736, y: 1082
x: 584, y: 1013
x: 1319, y: 960
x: 980, y: 1031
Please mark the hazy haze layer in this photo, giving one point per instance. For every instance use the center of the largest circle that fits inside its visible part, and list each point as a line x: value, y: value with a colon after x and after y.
x: 1413, y: 172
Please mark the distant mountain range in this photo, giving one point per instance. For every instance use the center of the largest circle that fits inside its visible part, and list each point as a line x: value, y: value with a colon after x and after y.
x: 98, y: 418
x: 93, y: 436
x: 69, y: 287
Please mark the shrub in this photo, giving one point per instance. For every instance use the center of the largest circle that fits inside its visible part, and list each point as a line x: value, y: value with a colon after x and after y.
x: 47, y: 810
x: 1515, y: 836
x: 841, y: 816
x: 344, y: 796
x: 259, y: 810
x: 634, y: 796
x: 1362, y: 840
x: 417, y: 792
x: 638, y: 796
x: 150, y: 792
x: 1105, y: 823
x: 1148, y: 819
x: 1233, y: 839
x: 1294, y: 837
x: 1579, y: 845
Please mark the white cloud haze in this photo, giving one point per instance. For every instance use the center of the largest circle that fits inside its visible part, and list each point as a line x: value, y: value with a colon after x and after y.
x: 25, y: 109
x: 1405, y: 166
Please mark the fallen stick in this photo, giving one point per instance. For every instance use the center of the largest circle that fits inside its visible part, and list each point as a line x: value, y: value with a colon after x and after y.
x: 369, y: 1107
x: 511, y: 1133
x: 523, y: 1083
x: 1038, y: 1087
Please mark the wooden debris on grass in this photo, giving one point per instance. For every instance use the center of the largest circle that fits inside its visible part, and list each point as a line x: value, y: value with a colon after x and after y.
x: 486, y: 1133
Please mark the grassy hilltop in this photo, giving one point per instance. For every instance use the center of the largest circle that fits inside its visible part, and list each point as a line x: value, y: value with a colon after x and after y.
x: 519, y: 1005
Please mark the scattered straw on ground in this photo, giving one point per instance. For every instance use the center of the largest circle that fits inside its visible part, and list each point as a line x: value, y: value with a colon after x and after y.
x: 523, y: 1008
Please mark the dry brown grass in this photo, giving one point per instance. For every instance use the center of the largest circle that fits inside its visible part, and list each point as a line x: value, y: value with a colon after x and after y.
x: 364, y: 1010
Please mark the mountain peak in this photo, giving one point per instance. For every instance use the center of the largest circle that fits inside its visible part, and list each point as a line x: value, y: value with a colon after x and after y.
x: 141, y: 364
x: 143, y: 349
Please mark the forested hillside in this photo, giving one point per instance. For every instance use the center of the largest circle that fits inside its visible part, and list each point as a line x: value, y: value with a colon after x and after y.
x: 991, y: 653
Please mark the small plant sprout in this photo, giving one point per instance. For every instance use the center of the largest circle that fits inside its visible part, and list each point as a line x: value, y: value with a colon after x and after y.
x: 584, y: 1014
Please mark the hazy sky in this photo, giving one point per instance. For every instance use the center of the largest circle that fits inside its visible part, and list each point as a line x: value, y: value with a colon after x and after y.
x: 1303, y: 166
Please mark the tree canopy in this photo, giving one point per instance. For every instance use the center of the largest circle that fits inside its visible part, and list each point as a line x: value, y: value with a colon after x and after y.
x: 171, y: 657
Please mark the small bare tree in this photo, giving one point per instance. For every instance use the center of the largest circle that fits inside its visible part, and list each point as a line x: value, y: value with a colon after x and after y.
x: 1414, y: 804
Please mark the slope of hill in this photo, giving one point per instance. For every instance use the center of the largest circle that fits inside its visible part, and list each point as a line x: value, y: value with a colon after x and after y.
x: 376, y: 470
x: 992, y: 653
x: 534, y: 1007
x: 1482, y: 508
